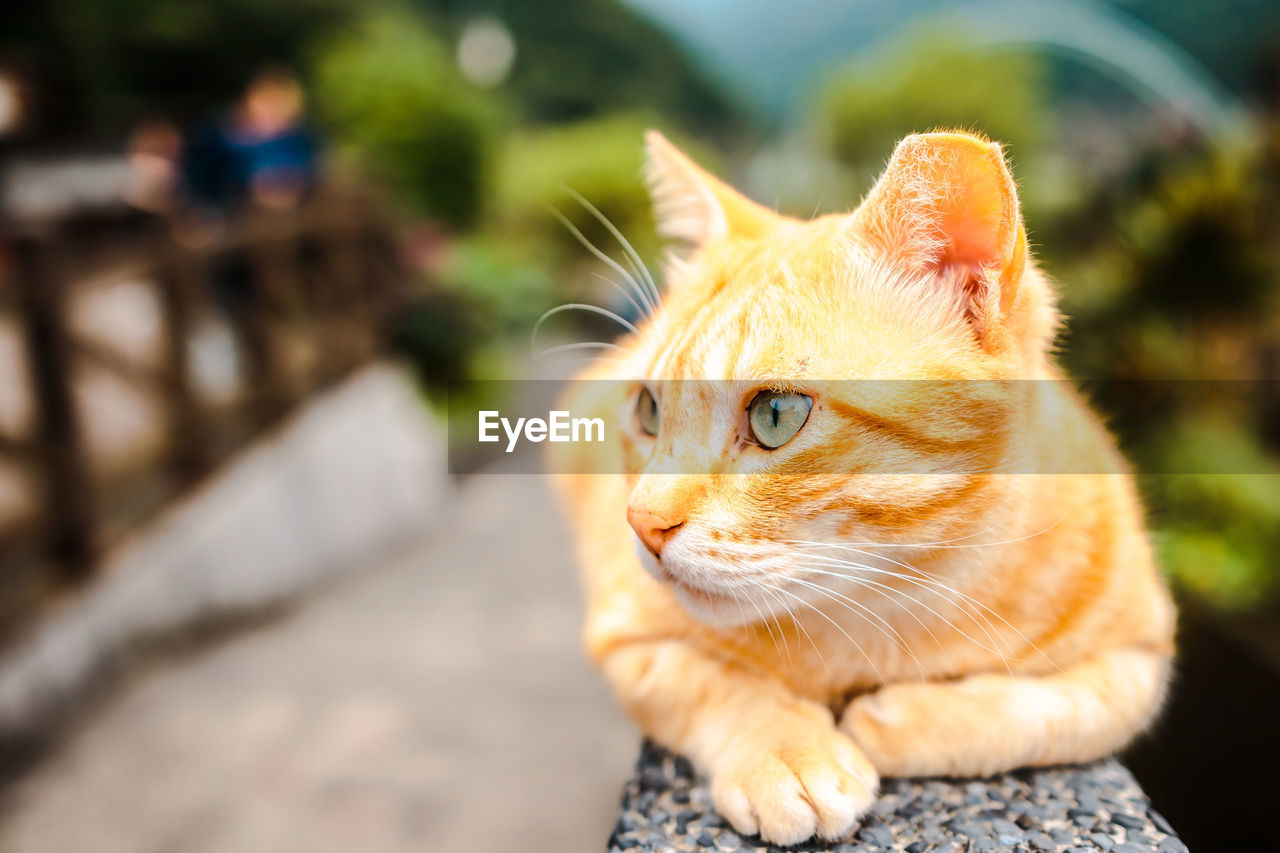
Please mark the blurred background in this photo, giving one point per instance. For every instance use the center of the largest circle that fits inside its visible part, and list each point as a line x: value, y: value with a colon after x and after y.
x: 248, y: 248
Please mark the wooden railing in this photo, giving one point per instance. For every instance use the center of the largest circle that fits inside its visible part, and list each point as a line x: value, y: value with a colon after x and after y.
x: 110, y: 415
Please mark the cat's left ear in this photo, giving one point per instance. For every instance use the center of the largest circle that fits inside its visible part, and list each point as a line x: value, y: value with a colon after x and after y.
x: 691, y: 205
x: 947, y: 204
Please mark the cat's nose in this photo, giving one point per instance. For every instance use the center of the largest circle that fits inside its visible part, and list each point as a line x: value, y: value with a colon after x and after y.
x: 653, y: 529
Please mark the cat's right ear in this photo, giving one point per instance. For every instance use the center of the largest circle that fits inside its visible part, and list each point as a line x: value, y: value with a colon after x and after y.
x: 947, y: 203
x: 693, y: 206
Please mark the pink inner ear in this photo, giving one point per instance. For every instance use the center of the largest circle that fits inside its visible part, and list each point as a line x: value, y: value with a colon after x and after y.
x: 947, y: 202
x: 973, y: 222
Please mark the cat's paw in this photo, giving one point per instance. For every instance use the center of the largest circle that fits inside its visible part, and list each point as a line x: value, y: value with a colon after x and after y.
x: 923, y: 730
x: 880, y: 724
x: 970, y: 727
x: 787, y: 787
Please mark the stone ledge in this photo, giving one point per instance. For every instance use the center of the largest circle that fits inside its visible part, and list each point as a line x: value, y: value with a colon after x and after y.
x: 1076, y: 808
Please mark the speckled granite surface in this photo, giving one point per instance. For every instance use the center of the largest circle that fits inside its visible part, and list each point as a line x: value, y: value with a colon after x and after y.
x: 1096, y: 806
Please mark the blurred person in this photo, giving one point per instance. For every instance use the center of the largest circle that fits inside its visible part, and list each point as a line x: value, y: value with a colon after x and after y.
x: 153, y: 151
x: 261, y: 151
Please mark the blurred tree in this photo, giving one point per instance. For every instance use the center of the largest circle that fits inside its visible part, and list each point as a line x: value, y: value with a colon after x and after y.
x: 438, y: 333
x: 523, y: 259
x: 1176, y: 267
x: 601, y: 160
x: 576, y: 59
x: 1179, y: 280
x: 98, y: 65
x: 388, y: 91
x: 1217, y: 534
x: 510, y: 282
x: 927, y: 82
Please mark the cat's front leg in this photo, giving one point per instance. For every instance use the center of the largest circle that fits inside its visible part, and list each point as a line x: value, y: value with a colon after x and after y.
x: 987, y: 724
x: 777, y: 763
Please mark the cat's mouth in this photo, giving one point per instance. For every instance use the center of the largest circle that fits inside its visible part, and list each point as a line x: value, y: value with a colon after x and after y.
x: 703, y: 598
x: 707, y: 604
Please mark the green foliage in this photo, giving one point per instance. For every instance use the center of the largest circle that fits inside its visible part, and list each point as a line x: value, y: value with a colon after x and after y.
x: 1218, y: 533
x: 1176, y: 273
x: 511, y: 283
x: 927, y: 83
x: 388, y: 92
x: 1174, y: 278
x: 438, y: 333
x: 524, y: 260
x: 601, y: 160
x: 1201, y: 224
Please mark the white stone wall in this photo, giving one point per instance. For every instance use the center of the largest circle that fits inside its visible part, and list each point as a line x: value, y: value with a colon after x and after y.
x: 359, y: 470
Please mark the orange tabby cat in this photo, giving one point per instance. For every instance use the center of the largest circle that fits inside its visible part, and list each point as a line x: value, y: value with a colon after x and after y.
x: 798, y: 628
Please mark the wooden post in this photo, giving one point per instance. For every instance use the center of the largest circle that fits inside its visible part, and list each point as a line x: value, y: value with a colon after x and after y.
x: 190, y: 451
x: 332, y: 282
x: 235, y: 283
x: 70, y: 512
x: 275, y: 308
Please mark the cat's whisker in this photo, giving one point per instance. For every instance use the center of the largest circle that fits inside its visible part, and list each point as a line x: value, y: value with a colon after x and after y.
x: 926, y: 584
x: 895, y: 596
x: 925, y: 576
x: 626, y: 294
x: 541, y: 354
x: 641, y: 291
x: 764, y: 620
x: 870, y: 661
x: 746, y: 621
x: 864, y: 612
x: 577, y: 306
x: 785, y: 643
x: 968, y: 598
x: 817, y: 651
x: 930, y: 585
x: 796, y: 621
x: 968, y: 605
x: 633, y: 257
x: 889, y: 591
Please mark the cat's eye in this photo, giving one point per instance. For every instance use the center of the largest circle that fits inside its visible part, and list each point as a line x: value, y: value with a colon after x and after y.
x: 776, y: 416
x: 647, y: 412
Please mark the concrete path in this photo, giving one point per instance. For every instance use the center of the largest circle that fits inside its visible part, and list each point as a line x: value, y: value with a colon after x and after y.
x: 438, y: 702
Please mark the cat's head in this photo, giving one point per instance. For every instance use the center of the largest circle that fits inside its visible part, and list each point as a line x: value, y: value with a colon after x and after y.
x: 767, y: 392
